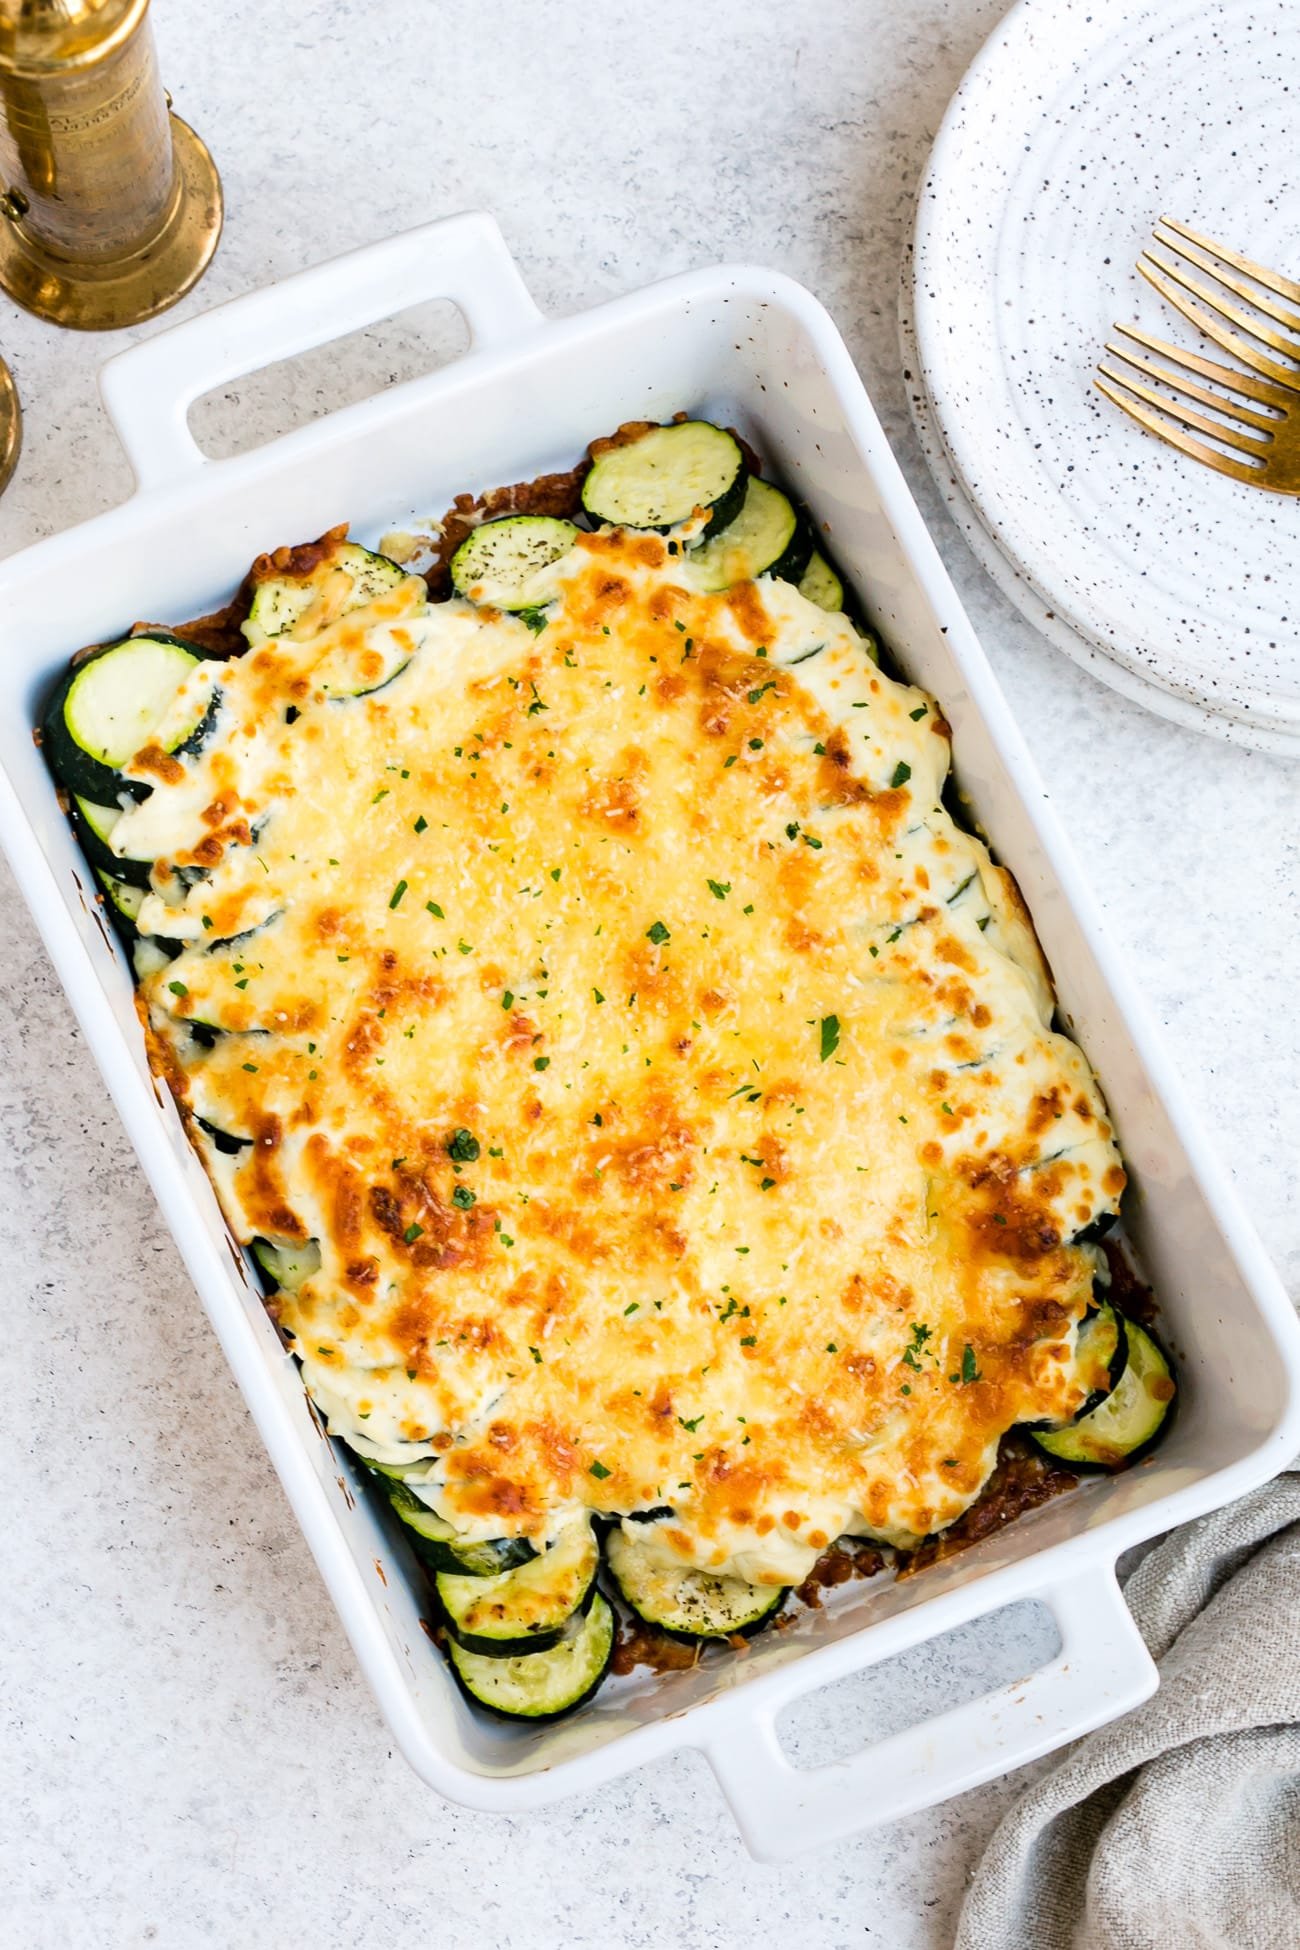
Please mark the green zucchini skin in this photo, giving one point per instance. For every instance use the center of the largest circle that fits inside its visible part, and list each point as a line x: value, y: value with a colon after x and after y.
x: 529, y: 1608
x: 436, y: 1544
x: 84, y: 774
x: 228, y: 1142
x: 769, y: 536
x: 1130, y: 1419
x: 1102, y: 1323
x: 686, y: 1604
x: 540, y: 1686
x: 659, y: 479
x: 91, y: 824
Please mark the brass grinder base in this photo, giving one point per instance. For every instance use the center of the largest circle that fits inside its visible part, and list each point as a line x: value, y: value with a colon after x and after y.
x: 99, y: 298
x: 11, y: 425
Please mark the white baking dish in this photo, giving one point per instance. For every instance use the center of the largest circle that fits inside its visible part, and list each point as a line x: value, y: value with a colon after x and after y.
x: 753, y: 347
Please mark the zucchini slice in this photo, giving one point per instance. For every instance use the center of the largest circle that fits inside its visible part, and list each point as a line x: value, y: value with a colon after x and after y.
x: 820, y: 584
x: 510, y: 563
x: 108, y: 706
x: 439, y: 1545
x: 125, y: 899
x: 541, y: 1685
x: 688, y: 1604
x: 665, y: 475
x: 94, y: 826
x: 527, y: 1609
x: 1100, y: 1357
x: 768, y: 537
x: 1128, y: 1419
x: 279, y: 601
x: 289, y: 1262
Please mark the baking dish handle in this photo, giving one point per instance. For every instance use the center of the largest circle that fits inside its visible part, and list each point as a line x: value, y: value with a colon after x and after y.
x: 1103, y: 1669
x: 149, y: 389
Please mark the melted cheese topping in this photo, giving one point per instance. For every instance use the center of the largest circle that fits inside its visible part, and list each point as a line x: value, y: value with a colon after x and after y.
x: 776, y: 1155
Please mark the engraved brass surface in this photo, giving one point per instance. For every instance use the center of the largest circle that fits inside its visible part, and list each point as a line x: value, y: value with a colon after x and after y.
x: 110, y: 206
x: 11, y: 425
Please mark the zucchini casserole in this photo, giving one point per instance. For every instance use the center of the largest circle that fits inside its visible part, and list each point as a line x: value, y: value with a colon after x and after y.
x: 638, y: 1089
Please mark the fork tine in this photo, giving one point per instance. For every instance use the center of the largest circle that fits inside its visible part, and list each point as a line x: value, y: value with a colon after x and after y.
x: 1187, y: 416
x: 1243, y: 415
x: 1224, y: 306
x: 1236, y: 381
x: 1271, y: 280
x: 1175, y: 437
x: 1193, y: 254
x: 1205, y: 321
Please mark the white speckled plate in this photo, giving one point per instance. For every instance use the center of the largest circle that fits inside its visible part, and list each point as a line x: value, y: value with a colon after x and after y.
x: 1080, y: 123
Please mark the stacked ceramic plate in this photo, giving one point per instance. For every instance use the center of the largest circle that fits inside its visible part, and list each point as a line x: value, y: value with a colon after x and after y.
x: 1081, y: 123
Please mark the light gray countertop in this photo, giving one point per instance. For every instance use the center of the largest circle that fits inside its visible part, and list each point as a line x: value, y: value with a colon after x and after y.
x: 189, y: 1755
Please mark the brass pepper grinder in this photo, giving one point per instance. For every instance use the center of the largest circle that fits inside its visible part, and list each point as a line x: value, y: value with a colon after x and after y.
x: 110, y: 206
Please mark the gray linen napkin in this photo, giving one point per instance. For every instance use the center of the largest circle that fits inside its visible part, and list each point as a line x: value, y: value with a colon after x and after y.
x: 1178, y: 1827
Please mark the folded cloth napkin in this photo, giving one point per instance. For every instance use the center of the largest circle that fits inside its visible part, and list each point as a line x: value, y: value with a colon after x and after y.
x: 1177, y: 1827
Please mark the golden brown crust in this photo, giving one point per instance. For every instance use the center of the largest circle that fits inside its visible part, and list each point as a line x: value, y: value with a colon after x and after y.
x: 619, y: 1070
x: 1023, y: 1479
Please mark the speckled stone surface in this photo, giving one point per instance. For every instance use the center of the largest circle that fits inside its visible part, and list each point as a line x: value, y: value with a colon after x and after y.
x: 188, y: 1756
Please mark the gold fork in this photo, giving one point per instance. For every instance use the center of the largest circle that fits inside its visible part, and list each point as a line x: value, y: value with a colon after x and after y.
x: 1266, y: 434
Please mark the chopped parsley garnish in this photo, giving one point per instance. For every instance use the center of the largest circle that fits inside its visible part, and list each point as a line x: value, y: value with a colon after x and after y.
x: 398, y: 891
x: 902, y: 773
x: 830, y: 1036
x: 599, y: 997
x: 507, y: 999
x: 178, y: 988
x: 412, y: 1233
x: 463, y: 1197
x: 463, y: 1146
x: 556, y: 872
x: 598, y: 1470
x: 536, y: 1354
x: 969, y: 1371
x: 919, y: 712
x: 658, y: 933
x: 533, y: 619
x: 541, y: 1062
x: 719, y: 889
x: 754, y: 696
x: 421, y: 824
x: 690, y: 1427
x: 432, y: 907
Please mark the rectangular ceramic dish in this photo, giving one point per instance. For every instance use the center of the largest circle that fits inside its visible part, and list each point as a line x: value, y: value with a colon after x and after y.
x: 753, y: 348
